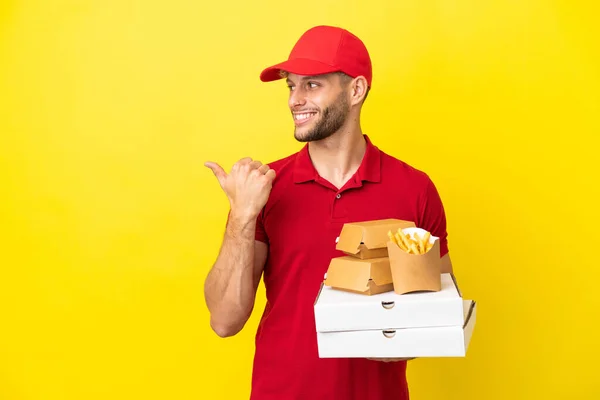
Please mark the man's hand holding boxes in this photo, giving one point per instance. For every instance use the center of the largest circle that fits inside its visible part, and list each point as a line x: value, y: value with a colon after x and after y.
x: 387, y: 297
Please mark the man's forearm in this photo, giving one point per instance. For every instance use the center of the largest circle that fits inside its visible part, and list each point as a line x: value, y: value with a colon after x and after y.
x: 230, y: 288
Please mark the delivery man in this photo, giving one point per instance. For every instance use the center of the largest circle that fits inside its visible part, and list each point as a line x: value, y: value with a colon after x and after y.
x: 285, y: 217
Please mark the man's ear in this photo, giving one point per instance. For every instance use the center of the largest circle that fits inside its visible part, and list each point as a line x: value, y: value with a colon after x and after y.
x: 358, y: 90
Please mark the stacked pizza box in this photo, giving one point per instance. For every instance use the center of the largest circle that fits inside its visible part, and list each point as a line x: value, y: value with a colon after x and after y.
x: 383, y: 300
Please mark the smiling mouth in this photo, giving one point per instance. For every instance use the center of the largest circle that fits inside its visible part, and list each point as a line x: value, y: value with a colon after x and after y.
x: 301, y: 118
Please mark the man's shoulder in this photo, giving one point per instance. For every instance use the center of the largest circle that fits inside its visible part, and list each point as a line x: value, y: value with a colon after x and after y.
x: 283, y: 163
x: 284, y: 168
x: 284, y: 172
x: 396, y: 167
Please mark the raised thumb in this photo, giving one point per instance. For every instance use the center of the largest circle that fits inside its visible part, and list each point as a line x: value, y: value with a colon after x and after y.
x: 218, y: 171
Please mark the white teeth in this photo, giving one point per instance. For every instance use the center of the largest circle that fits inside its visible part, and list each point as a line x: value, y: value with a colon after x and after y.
x: 302, y: 116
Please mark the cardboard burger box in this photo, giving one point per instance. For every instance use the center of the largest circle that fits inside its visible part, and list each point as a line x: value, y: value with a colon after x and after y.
x: 368, y: 239
x: 367, y: 277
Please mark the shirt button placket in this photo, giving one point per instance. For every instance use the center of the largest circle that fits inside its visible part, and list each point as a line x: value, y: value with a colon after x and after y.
x: 338, y: 210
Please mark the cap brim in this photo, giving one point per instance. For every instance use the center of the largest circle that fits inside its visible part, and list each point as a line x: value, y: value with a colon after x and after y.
x: 299, y: 66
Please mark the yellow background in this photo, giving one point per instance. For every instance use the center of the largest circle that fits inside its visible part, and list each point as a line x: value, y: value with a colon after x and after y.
x: 110, y: 222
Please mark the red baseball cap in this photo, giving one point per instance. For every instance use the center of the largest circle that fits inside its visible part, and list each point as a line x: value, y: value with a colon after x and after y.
x: 322, y: 50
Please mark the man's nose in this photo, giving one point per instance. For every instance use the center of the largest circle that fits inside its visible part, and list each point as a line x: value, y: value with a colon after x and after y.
x: 297, y: 98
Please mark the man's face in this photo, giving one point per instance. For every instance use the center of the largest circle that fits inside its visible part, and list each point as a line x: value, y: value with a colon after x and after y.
x: 319, y: 105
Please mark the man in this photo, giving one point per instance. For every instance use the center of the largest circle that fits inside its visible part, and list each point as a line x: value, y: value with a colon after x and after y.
x: 286, y: 215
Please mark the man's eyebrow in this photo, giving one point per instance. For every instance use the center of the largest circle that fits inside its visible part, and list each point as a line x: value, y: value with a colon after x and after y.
x: 307, y: 78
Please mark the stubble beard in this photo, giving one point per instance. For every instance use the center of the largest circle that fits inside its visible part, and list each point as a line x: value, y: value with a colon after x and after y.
x: 332, y: 119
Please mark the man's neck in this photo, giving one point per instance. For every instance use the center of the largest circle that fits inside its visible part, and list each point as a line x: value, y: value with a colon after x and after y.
x: 338, y: 157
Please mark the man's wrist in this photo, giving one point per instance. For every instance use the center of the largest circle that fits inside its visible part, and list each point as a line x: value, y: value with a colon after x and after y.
x: 241, y: 221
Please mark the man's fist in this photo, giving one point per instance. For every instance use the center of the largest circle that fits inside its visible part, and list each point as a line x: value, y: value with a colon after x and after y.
x: 247, y: 186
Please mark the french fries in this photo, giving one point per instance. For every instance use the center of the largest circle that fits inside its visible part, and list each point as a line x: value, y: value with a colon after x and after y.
x: 416, y: 244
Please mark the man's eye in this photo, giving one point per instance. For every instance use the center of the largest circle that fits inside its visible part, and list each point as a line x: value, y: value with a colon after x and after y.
x: 290, y: 88
x: 312, y: 85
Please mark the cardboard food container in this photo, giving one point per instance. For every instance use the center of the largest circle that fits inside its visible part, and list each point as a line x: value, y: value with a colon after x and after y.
x: 367, y: 277
x: 368, y: 239
x: 415, y: 272
x: 337, y: 311
x: 442, y: 341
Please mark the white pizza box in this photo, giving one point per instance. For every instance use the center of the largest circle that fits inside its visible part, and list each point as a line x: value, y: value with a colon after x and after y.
x: 445, y: 341
x: 338, y: 310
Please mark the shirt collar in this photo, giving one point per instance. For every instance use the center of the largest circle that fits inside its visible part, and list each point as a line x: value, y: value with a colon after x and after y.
x: 369, y: 169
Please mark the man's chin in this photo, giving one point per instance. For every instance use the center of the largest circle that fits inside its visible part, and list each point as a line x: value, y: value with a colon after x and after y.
x: 306, y: 137
x: 302, y: 136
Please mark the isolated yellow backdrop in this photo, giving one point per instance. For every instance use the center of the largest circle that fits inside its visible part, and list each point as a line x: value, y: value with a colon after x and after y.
x: 110, y: 222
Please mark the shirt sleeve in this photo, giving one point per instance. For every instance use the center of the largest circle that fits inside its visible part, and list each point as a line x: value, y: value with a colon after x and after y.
x: 433, y: 217
x: 261, y: 234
